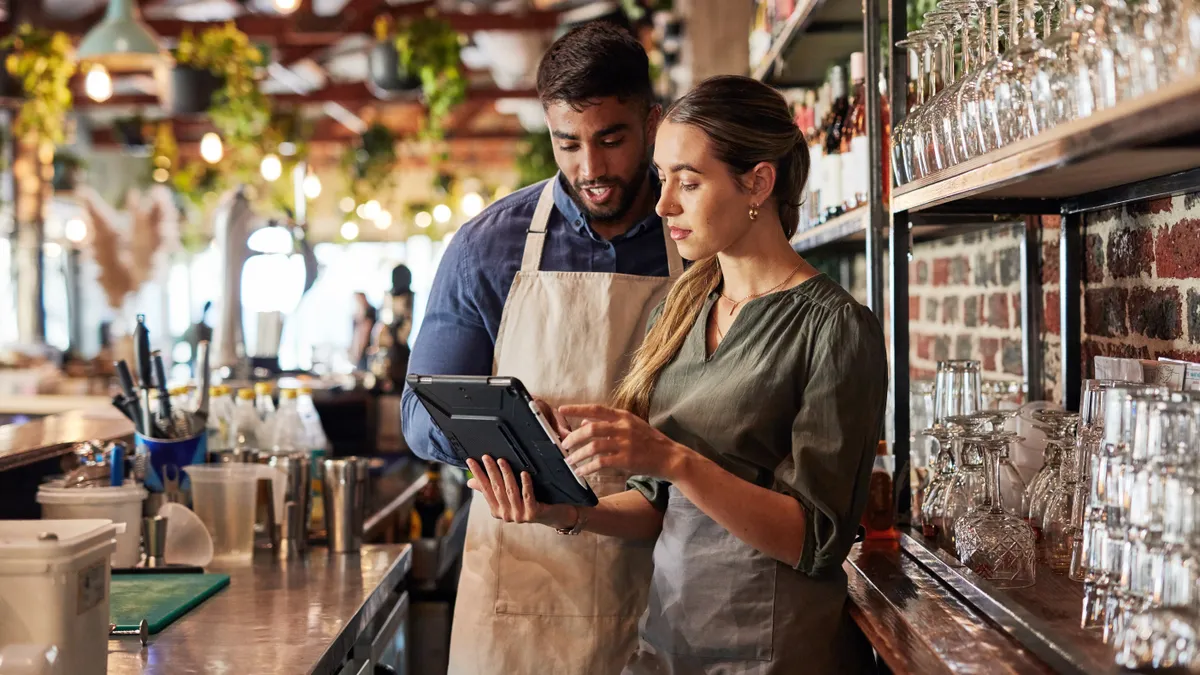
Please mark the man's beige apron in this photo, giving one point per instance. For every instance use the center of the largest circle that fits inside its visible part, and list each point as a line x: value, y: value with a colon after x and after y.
x: 531, y: 600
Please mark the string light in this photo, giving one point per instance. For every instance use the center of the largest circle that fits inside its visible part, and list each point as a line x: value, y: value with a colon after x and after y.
x: 211, y: 148
x: 312, y: 186
x: 75, y: 230
x: 384, y: 220
x: 423, y: 219
x: 349, y: 230
x: 442, y: 213
x: 271, y: 168
x: 98, y: 85
x: 472, y: 204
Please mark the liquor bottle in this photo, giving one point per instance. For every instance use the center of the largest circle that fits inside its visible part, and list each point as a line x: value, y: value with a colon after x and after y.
x: 429, y: 515
x: 879, y: 518
x: 816, y: 156
x: 831, y: 163
x: 855, y: 164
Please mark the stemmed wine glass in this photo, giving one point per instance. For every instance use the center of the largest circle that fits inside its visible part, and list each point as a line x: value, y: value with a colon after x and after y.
x: 993, y: 543
x: 907, y: 152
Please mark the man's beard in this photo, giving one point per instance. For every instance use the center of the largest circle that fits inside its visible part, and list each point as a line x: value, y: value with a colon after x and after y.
x: 626, y: 193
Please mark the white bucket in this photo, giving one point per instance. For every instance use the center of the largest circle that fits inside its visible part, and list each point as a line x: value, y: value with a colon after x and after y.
x: 118, y: 504
x: 56, y: 591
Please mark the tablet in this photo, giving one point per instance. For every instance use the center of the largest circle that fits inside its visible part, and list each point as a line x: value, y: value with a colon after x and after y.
x: 496, y: 416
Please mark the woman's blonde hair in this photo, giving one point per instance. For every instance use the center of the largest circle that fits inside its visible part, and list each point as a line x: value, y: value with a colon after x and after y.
x: 746, y: 122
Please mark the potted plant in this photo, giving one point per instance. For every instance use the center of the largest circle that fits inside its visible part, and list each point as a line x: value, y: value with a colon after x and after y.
x: 240, y: 112
x: 536, y: 163
x: 369, y: 164
x: 66, y: 170
x: 430, y: 48
x: 40, y: 61
x: 386, y: 78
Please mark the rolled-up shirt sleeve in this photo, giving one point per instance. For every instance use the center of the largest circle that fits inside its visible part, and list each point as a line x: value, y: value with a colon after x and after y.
x: 453, y: 341
x: 834, y: 435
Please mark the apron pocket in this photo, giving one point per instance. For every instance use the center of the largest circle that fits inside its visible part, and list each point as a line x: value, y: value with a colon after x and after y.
x: 545, y: 573
x: 712, y: 596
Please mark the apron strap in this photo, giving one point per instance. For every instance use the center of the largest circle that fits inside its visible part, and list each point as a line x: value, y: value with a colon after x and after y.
x: 536, y: 239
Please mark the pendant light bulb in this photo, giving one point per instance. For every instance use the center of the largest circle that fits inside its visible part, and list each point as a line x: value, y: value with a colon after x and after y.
x: 99, y: 84
x: 211, y: 148
x: 271, y: 168
x: 312, y: 186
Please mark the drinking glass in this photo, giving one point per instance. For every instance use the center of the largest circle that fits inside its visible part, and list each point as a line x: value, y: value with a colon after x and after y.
x: 904, y: 162
x: 956, y: 389
x: 1164, y: 632
x: 993, y: 543
x: 1104, y: 512
x: 967, y: 491
x: 933, y: 500
x: 1087, y: 457
x: 937, y: 127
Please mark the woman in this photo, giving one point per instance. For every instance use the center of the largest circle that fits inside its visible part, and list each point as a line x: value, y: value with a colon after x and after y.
x: 364, y: 326
x: 763, y: 383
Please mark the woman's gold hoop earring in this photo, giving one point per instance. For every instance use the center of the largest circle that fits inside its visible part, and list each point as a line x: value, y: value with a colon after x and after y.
x: 753, y: 212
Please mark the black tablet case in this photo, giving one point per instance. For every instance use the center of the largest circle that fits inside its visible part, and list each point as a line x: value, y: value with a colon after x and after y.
x: 491, y: 416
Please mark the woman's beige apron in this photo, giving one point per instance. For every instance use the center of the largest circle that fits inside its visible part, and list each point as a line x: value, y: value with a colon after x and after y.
x: 531, y: 600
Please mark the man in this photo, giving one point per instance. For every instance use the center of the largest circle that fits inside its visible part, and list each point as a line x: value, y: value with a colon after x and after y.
x: 553, y: 285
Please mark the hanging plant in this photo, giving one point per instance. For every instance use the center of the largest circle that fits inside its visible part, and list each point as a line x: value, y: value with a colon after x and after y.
x: 386, y: 78
x: 431, y: 49
x: 239, y: 110
x: 41, y: 60
x: 536, y: 163
x: 369, y: 164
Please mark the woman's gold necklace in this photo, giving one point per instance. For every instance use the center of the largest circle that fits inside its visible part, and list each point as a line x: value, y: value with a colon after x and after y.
x: 720, y: 333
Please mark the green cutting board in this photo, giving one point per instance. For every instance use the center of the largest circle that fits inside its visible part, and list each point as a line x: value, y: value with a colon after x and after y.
x: 160, y: 599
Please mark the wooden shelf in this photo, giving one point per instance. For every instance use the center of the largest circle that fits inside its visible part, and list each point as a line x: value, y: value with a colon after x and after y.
x: 1151, y: 136
x: 850, y: 226
x: 817, y: 33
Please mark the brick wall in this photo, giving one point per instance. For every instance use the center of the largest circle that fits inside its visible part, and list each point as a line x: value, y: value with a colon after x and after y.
x: 1141, y: 295
x: 1142, y: 281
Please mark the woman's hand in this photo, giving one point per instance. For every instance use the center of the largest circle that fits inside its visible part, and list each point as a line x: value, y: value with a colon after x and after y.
x: 513, y: 504
x: 618, y: 439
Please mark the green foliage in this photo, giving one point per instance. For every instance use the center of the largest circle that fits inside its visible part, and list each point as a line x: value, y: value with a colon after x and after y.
x: 430, y: 48
x: 240, y: 112
x: 41, y: 61
x: 369, y: 164
x: 916, y: 12
x: 536, y: 163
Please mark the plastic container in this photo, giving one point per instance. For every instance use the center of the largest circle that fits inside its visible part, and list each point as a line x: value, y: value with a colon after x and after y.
x: 188, y: 541
x: 118, y: 504
x: 223, y: 495
x: 176, y: 453
x: 56, y: 591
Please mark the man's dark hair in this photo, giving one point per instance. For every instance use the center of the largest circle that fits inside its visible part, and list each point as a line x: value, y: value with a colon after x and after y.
x: 596, y: 60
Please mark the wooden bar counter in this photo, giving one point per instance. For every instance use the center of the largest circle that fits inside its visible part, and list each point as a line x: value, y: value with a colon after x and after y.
x: 923, y: 614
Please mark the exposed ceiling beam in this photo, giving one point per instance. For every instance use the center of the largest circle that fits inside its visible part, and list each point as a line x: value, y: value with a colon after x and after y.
x: 349, y: 94
x: 326, y: 30
x: 188, y: 135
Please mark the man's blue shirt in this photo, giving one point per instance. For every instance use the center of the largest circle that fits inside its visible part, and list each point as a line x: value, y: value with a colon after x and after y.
x: 462, y: 316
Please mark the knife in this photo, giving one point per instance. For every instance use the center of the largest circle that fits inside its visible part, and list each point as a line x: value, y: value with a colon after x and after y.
x: 202, y: 375
x: 166, y: 420
x: 129, y: 399
x: 141, y: 348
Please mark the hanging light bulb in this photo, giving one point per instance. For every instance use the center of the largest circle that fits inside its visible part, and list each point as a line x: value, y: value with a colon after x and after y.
x: 372, y: 209
x: 472, y: 204
x: 271, y: 168
x: 442, y: 213
x: 161, y: 175
x: 312, y: 186
x: 423, y: 219
x: 75, y: 230
x: 349, y: 230
x: 211, y: 148
x: 361, y: 211
x: 286, y: 6
x: 98, y: 85
x: 346, y: 204
x: 384, y: 220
